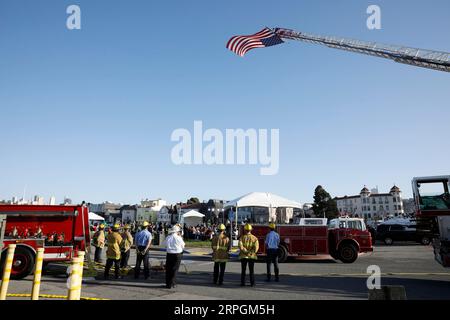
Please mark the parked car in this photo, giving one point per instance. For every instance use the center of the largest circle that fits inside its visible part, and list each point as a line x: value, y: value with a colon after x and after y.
x: 389, y: 233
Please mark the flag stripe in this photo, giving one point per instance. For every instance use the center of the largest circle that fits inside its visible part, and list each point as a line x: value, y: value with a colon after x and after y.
x: 264, y: 38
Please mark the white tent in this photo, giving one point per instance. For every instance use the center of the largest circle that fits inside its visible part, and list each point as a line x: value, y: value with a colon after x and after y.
x: 192, y: 218
x: 95, y: 217
x: 262, y: 199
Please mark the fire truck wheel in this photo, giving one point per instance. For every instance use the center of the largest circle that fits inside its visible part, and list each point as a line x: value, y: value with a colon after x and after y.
x: 282, y: 254
x: 23, y: 263
x: 388, y: 241
x: 348, y: 253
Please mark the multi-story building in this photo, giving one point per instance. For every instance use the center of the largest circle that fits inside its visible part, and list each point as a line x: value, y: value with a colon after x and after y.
x: 372, y: 205
x: 128, y: 213
x: 155, y: 204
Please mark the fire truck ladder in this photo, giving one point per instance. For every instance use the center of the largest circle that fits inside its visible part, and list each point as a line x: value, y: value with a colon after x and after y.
x: 417, y: 57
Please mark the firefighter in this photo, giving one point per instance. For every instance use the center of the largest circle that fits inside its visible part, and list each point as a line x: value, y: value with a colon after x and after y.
x: 125, y: 246
x: 174, y: 248
x: 113, y: 252
x: 143, y: 243
x: 98, y: 240
x: 248, y: 246
x: 220, y: 246
x: 272, y: 242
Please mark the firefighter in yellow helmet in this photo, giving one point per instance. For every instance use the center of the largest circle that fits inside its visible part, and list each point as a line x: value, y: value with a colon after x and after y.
x: 125, y: 246
x: 220, y: 246
x: 248, y: 246
x: 98, y: 241
x: 113, y: 253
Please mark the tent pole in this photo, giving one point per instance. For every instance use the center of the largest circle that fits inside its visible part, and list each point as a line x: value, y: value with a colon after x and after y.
x: 236, y: 222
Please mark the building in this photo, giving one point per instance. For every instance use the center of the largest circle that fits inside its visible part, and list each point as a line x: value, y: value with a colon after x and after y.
x: 155, y: 204
x: 165, y: 214
x: 38, y: 200
x: 372, y: 205
x: 128, y: 213
x: 146, y: 214
x: 108, y: 210
x: 409, y: 206
x: 52, y: 201
x: 213, y: 210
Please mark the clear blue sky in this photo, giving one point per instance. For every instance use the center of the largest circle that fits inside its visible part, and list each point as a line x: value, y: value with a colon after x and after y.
x: 89, y: 113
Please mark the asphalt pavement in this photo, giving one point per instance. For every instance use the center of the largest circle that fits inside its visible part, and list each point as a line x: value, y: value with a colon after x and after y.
x: 409, y: 265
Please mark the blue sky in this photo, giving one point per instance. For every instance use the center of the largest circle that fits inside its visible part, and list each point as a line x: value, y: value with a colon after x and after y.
x: 89, y: 113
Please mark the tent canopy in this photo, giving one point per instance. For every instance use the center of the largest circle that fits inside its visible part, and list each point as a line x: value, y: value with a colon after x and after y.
x: 262, y: 199
x: 193, y: 213
x: 192, y: 218
x: 94, y: 216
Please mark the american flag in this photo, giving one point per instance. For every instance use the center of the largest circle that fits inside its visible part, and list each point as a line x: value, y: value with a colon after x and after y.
x: 242, y: 44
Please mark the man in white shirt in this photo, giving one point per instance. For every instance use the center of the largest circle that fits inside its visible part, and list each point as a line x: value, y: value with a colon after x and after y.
x: 272, y: 243
x: 174, y: 247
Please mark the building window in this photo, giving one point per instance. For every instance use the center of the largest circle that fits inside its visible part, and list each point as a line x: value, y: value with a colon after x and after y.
x: 387, y: 208
x: 373, y: 200
x: 374, y: 208
x: 395, y: 199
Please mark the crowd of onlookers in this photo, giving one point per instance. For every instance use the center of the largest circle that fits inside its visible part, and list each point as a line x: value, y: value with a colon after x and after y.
x: 201, y: 232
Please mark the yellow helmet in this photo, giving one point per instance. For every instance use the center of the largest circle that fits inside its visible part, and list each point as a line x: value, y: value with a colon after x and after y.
x: 145, y: 224
x: 127, y: 226
x: 102, y: 226
x: 248, y: 227
x: 116, y: 226
x: 272, y: 225
x: 221, y: 227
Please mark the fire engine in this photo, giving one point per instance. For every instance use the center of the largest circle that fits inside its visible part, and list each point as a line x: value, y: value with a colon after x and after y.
x: 432, y: 202
x: 61, y: 230
x: 342, y: 238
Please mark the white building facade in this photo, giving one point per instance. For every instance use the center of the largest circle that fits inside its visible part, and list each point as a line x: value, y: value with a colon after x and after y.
x: 371, y: 204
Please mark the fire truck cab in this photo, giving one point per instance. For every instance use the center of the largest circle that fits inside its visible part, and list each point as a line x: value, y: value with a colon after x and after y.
x: 432, y: 202
x: 61, y: 230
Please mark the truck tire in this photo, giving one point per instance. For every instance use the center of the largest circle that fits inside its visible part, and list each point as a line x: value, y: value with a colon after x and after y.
x: 23, y: 263
x: 388, y: 241
x: 425, y: 241
x: 348, y: 253
x: 282, y: 254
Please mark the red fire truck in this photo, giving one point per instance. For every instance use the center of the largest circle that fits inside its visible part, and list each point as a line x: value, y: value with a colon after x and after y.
x: 61, y: 230
x: 432, y: 201
x: 342, y: 238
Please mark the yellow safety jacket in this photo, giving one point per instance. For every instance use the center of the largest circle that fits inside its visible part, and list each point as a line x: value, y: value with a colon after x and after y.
x: 220, y: 246
x: 98, y: 239
x: 127, y: 241
x: 114, y: 240
x: 248, y: 246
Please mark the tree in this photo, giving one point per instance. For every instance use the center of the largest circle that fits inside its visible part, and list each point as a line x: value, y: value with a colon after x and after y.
x: 324, y: 204
x: 193, y: 201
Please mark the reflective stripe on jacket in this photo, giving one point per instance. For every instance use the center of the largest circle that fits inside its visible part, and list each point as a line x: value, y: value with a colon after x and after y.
x: 220, y: 247
x: 248, y: 246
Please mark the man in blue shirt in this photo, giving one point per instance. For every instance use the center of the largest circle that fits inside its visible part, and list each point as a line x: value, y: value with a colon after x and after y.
x: 272, y: 242
x: 143, y: 242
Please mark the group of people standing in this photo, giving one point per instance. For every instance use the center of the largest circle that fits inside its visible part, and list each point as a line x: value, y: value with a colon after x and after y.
x: 120, y: 243
x: 248, y: 249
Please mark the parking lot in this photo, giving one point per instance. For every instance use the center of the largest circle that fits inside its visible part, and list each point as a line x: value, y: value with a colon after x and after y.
x: 409, y: 265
